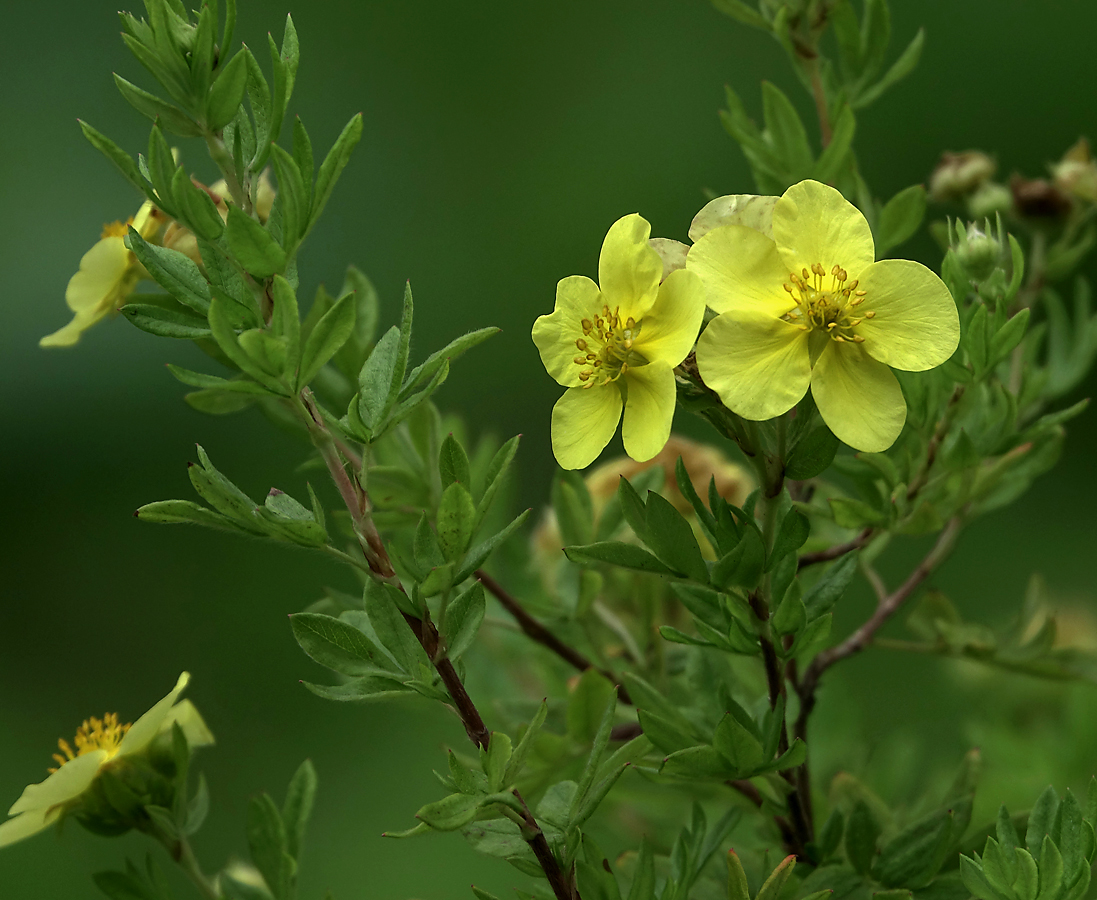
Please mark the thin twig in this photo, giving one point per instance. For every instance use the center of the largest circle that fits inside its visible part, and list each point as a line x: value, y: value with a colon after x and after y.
x: 539, y: 633
x: 373, y: 547
x: 821, y: 556
x: 748, y: 790
x: 888, y: 605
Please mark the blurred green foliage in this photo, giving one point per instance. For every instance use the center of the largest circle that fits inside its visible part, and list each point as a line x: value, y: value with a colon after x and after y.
x: 500, y: 141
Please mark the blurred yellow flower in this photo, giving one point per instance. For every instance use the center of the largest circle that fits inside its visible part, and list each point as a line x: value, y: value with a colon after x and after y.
x: 108, y: 274
x: 615, y: 344
x: 99, y: 743
x: 808, y: 305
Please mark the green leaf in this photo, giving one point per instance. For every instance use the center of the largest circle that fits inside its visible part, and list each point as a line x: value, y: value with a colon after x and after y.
x: 453, y: 462
x: 495, y: 760
x: 225, y: 336
x: 268, y: 845
x: 598, y: 747
x: 741, y: 12
x: 164, y: 322
x: 572, y: 505
x: 172, y: 118
x: 302, y: 155
x: 633, y: 508
x: 912, y: 857
x: 179, y: 512
x: 735, y: 743
x: 463, y: 618
x: 862, y: 832
x: 786, y: 131
x: 793, y: 532
x: 616, y: 553
x: 454, y: 349
x: 743, y: 565
x: 479, y: 554
x: 120, y: 886
x: 812, y: 453
x: 900, y: 218
x: 196, y: 207
x: 390, y: 627
x: 830, y: 587
x: 518, y: 758
x: 456, y: 514
x: 376, y: 379
x: 227, y: 93
x: 771, y: 888
x: 587, y: 705
x: 336, y: 644
x: 836, y: 154
x: 1041, y: 819
x: 298, y: 806
x: 252, y: 245
x: 701, y: 762
x: 451, y: 813
x: 173, y: 271
x: 738, y: 889
x: 293, y: 199
x: 286, y: 324
x: 497, y: 470
x: 899, y: 70
x: 670, y: 536
x: 122, y: 160
x: 1008, y: 336
x: 333, y: 165
x: 325, y: 339
x: 200, y: 379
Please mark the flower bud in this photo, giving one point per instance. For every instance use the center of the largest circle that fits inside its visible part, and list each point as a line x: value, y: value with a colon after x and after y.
x: 988, y: 200
x: 959, y: 174
x: 1076, y: 173
x: 979, y: 252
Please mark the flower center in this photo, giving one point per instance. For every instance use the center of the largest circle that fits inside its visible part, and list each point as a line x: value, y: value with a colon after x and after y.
x: 606, y: 349
x: 832, y: 310
x: 116, y: 229
x: 93, y: 734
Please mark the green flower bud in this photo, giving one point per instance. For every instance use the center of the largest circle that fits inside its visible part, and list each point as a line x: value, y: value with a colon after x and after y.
x: 988, y: 200
x: 979, y: 252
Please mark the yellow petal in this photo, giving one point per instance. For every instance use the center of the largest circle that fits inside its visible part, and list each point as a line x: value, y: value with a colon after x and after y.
x: 741, y: 270
x: 916, y: 326
x: 649, y: 409
x: 148, y: 726
x: 190, y: 720
x: 67, y: 783
x: 752, y: 210
x: 577, y: 297
x: 28, y: 823
x: 814, y: 223
x: 102, y: 270
x: 672, y: 253
x: 148, y: 220
x: 858, y: 397
x: 668, y: 331
x: 758, y: 365
x: 70, y: 334
x: 583, y: 421
x: 629, y: 270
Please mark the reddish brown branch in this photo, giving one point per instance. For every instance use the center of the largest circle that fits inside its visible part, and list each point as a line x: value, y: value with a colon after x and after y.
x: 838, y: 550
x: 539, y: 633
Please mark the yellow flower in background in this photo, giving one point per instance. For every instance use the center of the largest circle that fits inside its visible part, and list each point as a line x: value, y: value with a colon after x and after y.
x: 614, y: 346
x: 99, y: 744
x: 108, y: 274
x: 808, y: 306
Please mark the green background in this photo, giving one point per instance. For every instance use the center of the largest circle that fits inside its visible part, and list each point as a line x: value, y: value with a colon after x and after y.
x: 501, y: 140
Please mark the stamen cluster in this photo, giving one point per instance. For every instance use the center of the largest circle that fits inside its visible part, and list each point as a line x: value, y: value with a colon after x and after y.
x: 93, y: 734
x: 832, y: 310
x: 615, y: 354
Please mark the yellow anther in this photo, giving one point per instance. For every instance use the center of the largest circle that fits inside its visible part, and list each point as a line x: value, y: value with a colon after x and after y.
x: 587, y: 326
x: 857, y: 338
x: 580, y: 360
x: 871, y: 314
x: 581, y: 344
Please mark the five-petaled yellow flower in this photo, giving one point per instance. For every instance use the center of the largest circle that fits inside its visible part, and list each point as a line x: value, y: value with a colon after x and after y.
x: 99, y: 743
x: 804, y: 303
x: 615, y: 344
x: 108, y: 274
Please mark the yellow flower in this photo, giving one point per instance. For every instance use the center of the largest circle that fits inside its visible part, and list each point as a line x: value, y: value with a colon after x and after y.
x: 615, y: 346
x: 810, y: 306
x: 108, y: 274
x: 100, y: 743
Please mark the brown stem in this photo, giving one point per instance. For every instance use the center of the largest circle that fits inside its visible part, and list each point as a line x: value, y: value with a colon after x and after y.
x: 820, y: 556
x: 939, y: 434
x: 373, y: 547
x: 887, y: 606
x: 819, y: 94
x: 539, y: 633
x: 788, y: 837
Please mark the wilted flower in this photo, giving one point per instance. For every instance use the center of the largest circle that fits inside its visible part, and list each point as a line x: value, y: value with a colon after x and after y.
x: 810, y: 306
x: 615, y: 346
x: 108, y: 274
x: 100, y: 744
